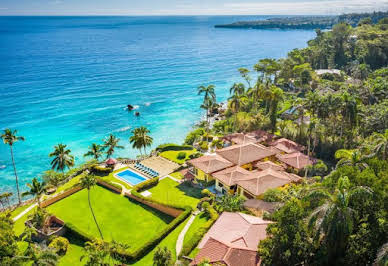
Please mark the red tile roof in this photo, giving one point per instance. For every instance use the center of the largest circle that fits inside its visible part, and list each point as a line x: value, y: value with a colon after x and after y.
x: 286, y: 145
x: 220, y: 253
x: 269, y: 164
x: 233, y: 240
x: 257, y: 136
x: 210, y: 163
x: 228, y: 175
x: 260, y: 181
x: 297, y: 160
x: 245, y: 153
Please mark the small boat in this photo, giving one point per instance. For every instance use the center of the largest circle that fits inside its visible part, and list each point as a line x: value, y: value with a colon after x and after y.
x: 3, y: 166
x: 130, y: 107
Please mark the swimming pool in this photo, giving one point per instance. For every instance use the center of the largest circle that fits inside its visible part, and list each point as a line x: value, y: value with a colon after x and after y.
x: 131, y: 177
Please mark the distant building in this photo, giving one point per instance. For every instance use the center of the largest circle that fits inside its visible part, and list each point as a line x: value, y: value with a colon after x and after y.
x: 320, y: 72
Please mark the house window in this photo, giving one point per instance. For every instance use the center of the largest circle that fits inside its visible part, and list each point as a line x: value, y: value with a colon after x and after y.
x: 220, y: 184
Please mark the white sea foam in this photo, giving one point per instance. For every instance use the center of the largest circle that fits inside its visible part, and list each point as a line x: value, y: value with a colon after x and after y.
x: 123, y: 129
x: 135, y: 107
x: 147, y: 104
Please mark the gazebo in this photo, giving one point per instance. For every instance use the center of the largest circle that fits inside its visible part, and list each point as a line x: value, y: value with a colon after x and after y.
x: 110, y: 162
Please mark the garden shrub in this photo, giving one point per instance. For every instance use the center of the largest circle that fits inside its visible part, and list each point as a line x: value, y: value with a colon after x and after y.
x: 181, y: 155
x: 204, y: 145
x: 60, y: 245
x: 146, y: 184
x: 195, y: 155
x: 203, y: 200
x: 173, y: 147
x: 206, y: 193
x: 96, y: 169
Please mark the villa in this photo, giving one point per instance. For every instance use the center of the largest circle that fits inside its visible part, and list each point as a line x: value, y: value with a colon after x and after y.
x: 284, y: 145
x: 296, y: 161
x: 233, y: 240
x: 248, y: 168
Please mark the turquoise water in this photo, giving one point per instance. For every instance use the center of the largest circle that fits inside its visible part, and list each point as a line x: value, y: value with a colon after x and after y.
x: 131, y: 177
x: 68, y: 79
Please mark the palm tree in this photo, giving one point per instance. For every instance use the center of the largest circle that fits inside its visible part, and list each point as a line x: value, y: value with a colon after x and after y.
x: 62, y: 158
x: 6, y: 196
x: 350, y: 157
x: 96, y: 253
x: 208, y: 91
x: 275, y: 98
x: 9, y: 137
x: 238, y: 89
x: 135, y: 140
x: 111, y: 143
x: 334, y: 218
x: 382, y: 256
x: 162, y: 257
x: 209, y: 98
x: 37, y: 189
x: 2, y: 201
x: 41, y: 257
x: 235, y: 102
x: 140, y: 138
x: 380, y: 144
x: 95, y: 151
x: 88, y: 182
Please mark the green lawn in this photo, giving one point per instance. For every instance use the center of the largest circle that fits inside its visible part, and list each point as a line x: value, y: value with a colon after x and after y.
x: 120, y: 219
x: 19, y: 210
x: 177, y: 175
x: 198, y: 222
x: 172, y: 155
x: 169, y: 191
x: 169, y: 242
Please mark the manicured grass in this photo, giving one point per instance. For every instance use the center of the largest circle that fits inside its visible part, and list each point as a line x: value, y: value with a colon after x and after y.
x: 120, y: 219
x: 172, y: 155
x: 19, y: 210
x: 171, y: 192
x: 169, y: 242
x: 177, y: 175
x: 198, y: 222
x: 19, y: 226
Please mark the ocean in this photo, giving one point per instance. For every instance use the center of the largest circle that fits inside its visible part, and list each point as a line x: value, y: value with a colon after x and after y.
x: 68, y: 79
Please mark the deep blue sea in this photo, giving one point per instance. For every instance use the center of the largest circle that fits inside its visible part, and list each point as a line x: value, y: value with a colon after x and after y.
x: 68, y: 79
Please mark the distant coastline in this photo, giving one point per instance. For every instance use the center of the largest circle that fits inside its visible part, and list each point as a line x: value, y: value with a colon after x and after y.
x: 305, y: 22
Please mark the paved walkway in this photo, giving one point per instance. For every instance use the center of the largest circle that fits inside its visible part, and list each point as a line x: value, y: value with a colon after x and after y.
x: 181, y: 237
x: 20, y: 215
x: 123, y: 188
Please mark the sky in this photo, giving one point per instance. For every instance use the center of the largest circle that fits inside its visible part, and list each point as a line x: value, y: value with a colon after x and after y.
x: 189, y: 7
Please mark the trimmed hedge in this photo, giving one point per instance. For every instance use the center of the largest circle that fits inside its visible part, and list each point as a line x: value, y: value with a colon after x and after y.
x: 146, y: 184
x: 110, y: 183
x: 78, y: 233
x: 173, y: 147
x: 196, y: 238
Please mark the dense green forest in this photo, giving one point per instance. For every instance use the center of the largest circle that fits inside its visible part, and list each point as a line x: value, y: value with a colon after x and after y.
x: 307, y: 22
x: 331, y: 97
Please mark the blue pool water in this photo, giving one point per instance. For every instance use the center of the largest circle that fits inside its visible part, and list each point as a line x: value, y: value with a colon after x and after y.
x: 131, y: 177
x: 68, y: 79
